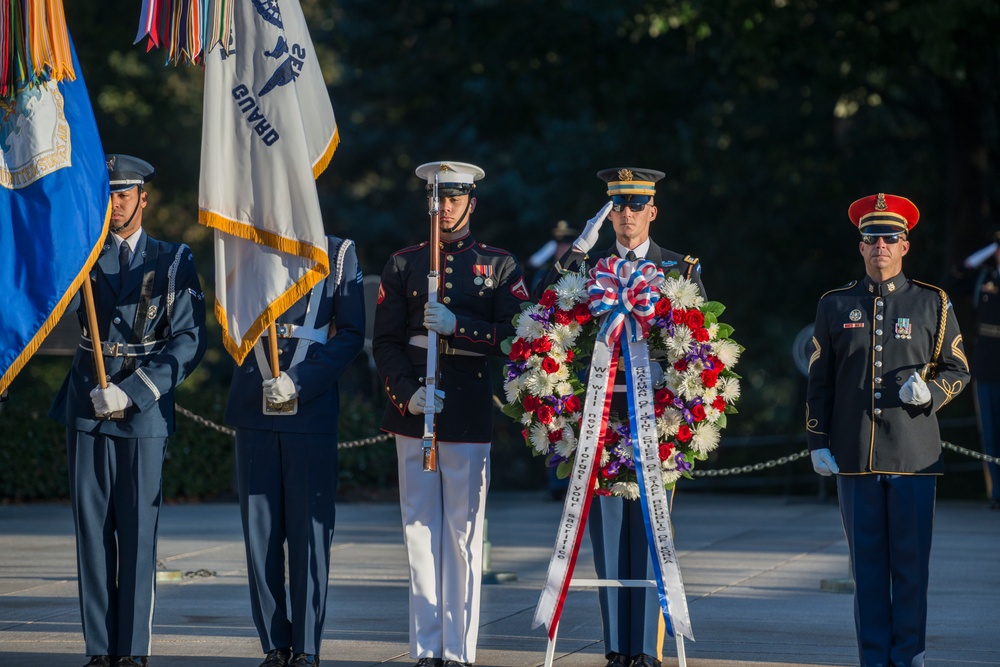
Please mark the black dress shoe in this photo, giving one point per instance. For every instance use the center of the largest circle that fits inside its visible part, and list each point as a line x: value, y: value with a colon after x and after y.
x: 617, y: 660
x: 131, y: 661
x: 277, y: 657
x: 643, y: 660
x: 99, y: 661
x: 430, y: 662
x: 304, y: 660
x: 456, y: 663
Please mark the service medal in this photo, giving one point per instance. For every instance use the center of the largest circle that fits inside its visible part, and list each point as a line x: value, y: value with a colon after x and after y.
x: 904, y: 329
x: 488, y: 282
x: 478, y: 280
x: 855, y: 315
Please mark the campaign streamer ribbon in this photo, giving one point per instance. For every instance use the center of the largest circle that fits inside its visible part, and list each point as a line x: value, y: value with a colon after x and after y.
x: 655, y: 504
x: 597, y: 405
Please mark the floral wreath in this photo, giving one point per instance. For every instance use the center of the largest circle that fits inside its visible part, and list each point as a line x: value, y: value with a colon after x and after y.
x: 548, y: 357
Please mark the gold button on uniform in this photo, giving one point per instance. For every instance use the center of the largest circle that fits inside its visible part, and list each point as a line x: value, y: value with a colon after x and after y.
x: 448, y: 270
x: 447, y: 299
x: 448, y: 285
x: 450, y: 258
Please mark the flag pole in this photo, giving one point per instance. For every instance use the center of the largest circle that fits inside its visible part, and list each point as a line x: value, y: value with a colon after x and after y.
x: 95, y: 336
x: 272, y: 346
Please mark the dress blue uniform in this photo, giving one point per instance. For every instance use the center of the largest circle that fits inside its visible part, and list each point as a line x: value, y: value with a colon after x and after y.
x: 871, y: 336
x: 631, y: 617
x: 151, y: 323
x: 443, y: 511
x: 287, y: 463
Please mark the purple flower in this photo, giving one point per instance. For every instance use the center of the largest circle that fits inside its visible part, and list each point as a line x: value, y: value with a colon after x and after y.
x: 682, y: 465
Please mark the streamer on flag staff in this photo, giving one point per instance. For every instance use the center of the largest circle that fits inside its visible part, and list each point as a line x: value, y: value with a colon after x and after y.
x: 34, y: 47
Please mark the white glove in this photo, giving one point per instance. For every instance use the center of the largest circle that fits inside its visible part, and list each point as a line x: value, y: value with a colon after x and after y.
x: 588, y: 238
x: 280, y: 389
x: 109, y: 400
x: 438, y: 318
x: 419, y: 400
x: 914, y: 391
x: 823, y: 462
x: 974, y: 260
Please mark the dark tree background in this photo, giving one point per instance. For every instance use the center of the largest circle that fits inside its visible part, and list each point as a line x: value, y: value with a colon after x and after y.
x: 769, y: 118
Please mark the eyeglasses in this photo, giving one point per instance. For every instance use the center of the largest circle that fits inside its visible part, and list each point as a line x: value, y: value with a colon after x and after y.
x: 890, y: 239
x: 635, y: 208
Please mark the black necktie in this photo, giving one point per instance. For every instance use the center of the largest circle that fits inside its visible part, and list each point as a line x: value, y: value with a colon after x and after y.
x: 630, y: 256
x: 123, y: 256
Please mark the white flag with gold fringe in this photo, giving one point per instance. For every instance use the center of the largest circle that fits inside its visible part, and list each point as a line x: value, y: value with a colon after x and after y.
x: 268, y: 132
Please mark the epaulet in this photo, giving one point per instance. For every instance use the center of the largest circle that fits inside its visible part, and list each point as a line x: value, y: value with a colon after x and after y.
x: 410, y: 249
x: 690, y: 260
x: 840, y: 289
x: 489, y: 248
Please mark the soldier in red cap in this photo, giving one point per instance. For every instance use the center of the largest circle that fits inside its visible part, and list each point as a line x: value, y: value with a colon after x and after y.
x: 888, y: 355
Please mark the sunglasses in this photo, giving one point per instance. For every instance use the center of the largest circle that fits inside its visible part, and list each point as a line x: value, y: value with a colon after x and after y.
x: 635, y: 208
x: 890, y: 239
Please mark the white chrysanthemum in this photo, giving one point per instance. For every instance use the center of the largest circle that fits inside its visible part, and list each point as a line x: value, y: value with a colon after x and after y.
x: 713, y: 330
x: 668, y: 423
x: 627, y: 490
x: 705, y: 438
x: 512, y: 389
x: 539, y: 383
x: 564, y: 336
x: 567, y: 445
x: 526, y: 419
x: 540, y: 438
x: 570, y: 290
x: 691, y: 385
x: 680, y: 343
x: 528, y: 328
x: 563, y: 389
x: 711, y: 414
x: 729, y: 389
x: 605, y: 456
x: 682, y: 293
x: 727, y: 351
x: 671, y: 476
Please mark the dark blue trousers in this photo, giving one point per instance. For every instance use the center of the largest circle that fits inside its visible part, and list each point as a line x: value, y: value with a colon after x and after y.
x: 630, y: 616
x: 287, y: 487
x: 114, y: 488
x: 888, y: 520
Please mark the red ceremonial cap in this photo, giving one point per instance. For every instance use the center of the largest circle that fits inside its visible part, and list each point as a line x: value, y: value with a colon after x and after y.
x: 883, y: 215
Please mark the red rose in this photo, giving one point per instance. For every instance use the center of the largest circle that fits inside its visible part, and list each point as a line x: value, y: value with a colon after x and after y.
x: 694, y: 319
x: 519, y: 350
x: 678, y: 315
x: 701, y: 335
x: 611, y: 437
x: 719, y: 403
x: 663, y: 396
x: 658, y: 409
x: 555, y: 436
x: 562, y: 317
x: 698, y: 412
x: 681, y: 365
x: 601, y: 492
x: 548, y: 299
x: 545, y: 413
x: 709, y: 378
x: 663, y: 307
x: 715, y: 364
x: 684, y: 433
x: 531, y: 403
x: 581, y: 313
x: 524, y: 434
x: 666, y: 449
x: 550, y: 365
x: 541, y: 345
x: 572, y: 404
x: 607, y: 474
x: 569, y: 356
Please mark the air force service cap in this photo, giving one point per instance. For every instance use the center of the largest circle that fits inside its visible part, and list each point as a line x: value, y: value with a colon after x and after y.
x: 125, y: 172
x: 883, y: 215
x: 629, y: 185
x: 454, y: 178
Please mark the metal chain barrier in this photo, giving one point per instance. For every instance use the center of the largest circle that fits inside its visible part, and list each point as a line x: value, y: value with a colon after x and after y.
x: 722, y: 472
x: 381, y: 437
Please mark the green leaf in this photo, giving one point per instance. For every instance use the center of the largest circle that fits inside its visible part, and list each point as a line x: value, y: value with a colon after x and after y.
x: 513, y: 410
x: 713, y: 307
x: 564, y: 469
x: 725, y: 331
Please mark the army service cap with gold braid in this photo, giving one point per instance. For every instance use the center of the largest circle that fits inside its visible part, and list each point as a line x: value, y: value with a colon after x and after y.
x: 883, y: 215
x: 454, y: 178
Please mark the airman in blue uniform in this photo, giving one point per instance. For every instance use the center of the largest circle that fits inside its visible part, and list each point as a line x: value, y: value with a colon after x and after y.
x: 286, y: 458
x: 887, y: 356
x: 151, y: 327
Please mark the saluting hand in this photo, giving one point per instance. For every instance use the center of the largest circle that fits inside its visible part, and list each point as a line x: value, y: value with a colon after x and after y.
x: 592, y: 230
x: 438, y: 318
x: 111, y: 399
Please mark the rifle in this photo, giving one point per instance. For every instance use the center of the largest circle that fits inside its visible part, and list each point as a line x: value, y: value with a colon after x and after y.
x: 433, y: 286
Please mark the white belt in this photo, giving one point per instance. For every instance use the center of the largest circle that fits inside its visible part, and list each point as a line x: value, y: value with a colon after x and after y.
x: 420, y: 340
x: 299, y: 331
